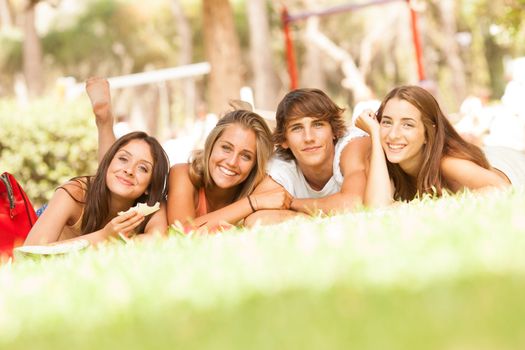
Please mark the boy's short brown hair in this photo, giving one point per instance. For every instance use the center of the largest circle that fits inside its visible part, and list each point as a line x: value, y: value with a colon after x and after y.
x: 301, y: 103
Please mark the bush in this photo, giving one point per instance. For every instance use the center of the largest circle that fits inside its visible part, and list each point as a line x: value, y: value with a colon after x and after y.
x: 46, y: 143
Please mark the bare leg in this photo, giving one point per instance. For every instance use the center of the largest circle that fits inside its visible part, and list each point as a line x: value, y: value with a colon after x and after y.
x: 269, y: 217
x: 100, y: 97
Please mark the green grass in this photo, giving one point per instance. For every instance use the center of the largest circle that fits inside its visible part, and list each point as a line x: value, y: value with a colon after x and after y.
x: 445, y: 274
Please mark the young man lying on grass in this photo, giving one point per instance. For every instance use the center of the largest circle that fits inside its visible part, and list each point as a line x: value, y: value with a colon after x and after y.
x: 319, y: 161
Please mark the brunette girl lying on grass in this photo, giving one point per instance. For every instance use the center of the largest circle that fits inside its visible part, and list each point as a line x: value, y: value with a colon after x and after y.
x: 415, y: 150
x: 87, y: 207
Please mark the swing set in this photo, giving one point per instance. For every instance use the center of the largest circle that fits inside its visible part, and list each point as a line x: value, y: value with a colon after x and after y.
x: 287, y: 19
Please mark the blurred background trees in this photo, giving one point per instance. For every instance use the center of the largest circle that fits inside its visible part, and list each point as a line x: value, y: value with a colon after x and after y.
x: 466, y: 43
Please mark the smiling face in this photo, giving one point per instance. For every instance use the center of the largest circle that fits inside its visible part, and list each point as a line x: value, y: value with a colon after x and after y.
x: 233, y: 156
x: 311, y: 141
x: 403, y: 135
x: 130, y: 171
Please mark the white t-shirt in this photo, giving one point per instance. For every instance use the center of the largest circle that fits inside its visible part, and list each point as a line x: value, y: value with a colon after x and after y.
x: 287, y: 174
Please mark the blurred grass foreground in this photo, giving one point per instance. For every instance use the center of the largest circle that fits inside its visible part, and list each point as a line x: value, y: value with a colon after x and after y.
x: 434, y: 274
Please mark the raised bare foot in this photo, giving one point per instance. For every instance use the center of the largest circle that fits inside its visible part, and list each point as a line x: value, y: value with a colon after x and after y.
x: 100, y: 97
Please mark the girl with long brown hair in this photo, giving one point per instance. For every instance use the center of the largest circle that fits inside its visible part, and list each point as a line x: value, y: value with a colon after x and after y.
x: 132, y: 171
x: 416, y: 151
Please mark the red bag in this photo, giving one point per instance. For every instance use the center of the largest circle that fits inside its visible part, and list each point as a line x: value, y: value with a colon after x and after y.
x: 17, y: 215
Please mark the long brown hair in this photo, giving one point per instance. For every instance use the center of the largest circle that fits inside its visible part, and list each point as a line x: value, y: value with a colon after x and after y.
x: 199, y: 168
x: 441, y: 140
x: 97, y: 194
x: 301, y: 103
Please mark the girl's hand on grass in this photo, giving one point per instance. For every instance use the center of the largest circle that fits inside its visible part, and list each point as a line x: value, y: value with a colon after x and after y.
x: 367, y: 121
x: 100, y: 97
x: 278, y: 198
x: 124, y: 224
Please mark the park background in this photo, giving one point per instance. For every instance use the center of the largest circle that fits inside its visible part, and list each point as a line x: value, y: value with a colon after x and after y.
x: 430, y: 274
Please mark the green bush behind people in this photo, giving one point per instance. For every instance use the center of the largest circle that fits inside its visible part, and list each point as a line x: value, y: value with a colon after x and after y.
x: 45, y: 143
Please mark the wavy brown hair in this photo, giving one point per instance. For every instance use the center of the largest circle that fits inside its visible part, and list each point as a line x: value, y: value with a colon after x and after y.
x: 97, y: 196
x: 199, y: 167
x: 441, y: 140
x: 302, y: 103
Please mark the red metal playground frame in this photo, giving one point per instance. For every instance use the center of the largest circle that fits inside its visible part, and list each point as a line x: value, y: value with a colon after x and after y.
x: 288, y: 18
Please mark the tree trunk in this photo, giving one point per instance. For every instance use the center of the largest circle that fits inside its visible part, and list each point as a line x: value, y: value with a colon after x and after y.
x: 495, y: 56
x: 223, y: 52
x: 353, y: 80
x: 451, y: 49
x: 266, y: 83
x: 312, y: 73
x: 378, y: 33
x: 184, y: 32
x: 6, y: 18
x: 32, y: 54
x: 185, y: 57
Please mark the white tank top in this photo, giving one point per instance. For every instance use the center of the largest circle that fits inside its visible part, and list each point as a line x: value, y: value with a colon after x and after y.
x: 287, y: 173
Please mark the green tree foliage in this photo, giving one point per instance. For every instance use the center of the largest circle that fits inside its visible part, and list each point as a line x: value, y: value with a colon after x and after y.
x: 112, y: 37
x: 10, y: 58
x: 498, y: 32
x: 104, y: 37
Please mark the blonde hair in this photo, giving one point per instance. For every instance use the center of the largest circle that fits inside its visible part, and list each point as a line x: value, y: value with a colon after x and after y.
x: 199, y: 167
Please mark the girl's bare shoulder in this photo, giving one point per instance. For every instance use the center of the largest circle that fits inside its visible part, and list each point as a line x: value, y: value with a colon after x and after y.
x: 76, y: 188
x: 180, y: 168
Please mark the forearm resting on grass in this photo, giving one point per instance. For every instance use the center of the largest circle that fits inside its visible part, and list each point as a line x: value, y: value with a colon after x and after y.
x: 271, y: 217
x: 231, y: 214
x: 47, y: 230
x: 273, y: 204
x: 276, y: 199
x: 336, y: 203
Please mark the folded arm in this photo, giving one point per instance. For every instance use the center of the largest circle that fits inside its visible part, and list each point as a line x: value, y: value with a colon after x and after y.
x: 271, y: 214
